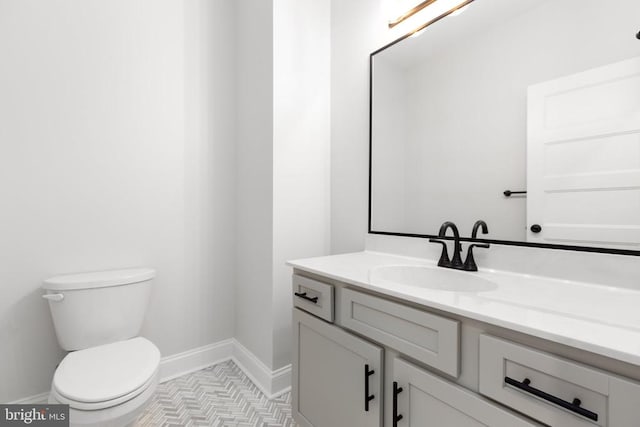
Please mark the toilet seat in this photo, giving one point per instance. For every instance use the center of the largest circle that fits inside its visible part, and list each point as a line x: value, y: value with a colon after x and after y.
x: 123, y: 414
x: 95, y: 406
x: 106, y: 376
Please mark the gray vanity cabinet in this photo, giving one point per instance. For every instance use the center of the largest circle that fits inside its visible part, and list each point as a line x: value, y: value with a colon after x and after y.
x: 333, y: 372
x: 429, y: 369
x: 422, y: 399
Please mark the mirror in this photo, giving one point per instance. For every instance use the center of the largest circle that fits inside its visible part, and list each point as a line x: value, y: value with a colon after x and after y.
x: 537, y: 97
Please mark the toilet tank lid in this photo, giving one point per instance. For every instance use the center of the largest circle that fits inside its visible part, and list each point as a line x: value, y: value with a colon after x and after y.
x: 98, y: 279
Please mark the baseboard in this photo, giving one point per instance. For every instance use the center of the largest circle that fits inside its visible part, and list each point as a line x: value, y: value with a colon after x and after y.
x: 271, y: 383
x: 32, y: 400
x: 280, y: 381
x: 195, y: 359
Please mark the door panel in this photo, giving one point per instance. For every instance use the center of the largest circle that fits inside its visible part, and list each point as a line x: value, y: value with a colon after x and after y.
x: 329, y: 376
x: 583, y: 158
x: 427, y: 400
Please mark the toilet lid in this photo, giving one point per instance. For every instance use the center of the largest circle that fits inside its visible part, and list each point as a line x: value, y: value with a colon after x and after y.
x: 106, y: 372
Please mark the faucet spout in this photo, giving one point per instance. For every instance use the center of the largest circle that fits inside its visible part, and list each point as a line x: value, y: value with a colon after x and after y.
x: 479, y: 224
x: 445, y: 226
x: 469, y: 262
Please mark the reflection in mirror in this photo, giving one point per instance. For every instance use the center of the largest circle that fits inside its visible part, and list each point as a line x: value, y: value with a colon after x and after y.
x: 537, y: 97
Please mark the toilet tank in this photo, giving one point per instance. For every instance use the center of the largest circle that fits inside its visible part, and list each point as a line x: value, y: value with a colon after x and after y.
x: 91, y: 309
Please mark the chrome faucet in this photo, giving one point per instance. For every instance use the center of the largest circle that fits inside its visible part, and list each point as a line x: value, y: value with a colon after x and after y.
x: 455, y: 261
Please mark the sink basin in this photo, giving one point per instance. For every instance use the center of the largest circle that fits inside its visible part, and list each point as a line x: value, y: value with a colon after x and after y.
x: 436, y: 278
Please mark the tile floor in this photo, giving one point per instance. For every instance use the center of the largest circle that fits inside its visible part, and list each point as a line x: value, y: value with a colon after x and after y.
x: 221, y: 395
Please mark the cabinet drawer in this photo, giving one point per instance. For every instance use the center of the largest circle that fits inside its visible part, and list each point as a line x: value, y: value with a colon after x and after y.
x: 426, y: 337
x: 544, y: 387
x: 426, y: 400
x: 313, y: 296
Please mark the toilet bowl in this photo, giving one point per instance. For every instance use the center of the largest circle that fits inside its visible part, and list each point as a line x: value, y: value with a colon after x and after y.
x: 111, y: 374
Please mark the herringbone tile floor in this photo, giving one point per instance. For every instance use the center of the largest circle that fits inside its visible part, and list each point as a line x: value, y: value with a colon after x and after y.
x: 221, y: 395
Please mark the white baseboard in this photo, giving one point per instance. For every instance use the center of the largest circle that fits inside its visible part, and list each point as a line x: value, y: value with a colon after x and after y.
x: 280, y: 381
x: 195, y: 359
x: 32, y: 400
x: 271, y: 383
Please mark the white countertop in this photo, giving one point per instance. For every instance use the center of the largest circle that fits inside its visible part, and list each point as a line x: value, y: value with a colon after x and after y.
x: 599, y: 319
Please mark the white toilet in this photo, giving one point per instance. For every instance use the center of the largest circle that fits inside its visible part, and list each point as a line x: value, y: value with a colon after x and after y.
x: 111, y: 373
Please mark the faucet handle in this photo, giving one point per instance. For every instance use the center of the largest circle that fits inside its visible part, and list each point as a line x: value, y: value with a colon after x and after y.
x: 444, y: 260
x: 479, y: 245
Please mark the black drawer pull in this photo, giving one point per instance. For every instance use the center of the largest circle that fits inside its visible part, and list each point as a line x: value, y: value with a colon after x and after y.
x: 367, y: 397
x: 303, y: 295
x: 571, y: 406
x: 396, y: 417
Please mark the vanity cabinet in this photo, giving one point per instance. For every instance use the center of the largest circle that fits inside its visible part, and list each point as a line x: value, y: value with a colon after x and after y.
x: 337, y: 377
x: 337, y: 381
x: 367, y: 359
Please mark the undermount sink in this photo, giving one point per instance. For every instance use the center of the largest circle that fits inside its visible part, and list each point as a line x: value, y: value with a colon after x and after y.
x: 431, y: 278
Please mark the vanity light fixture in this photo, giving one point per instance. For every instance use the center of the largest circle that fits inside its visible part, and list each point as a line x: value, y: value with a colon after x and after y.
x: 454, y: 11
x: 410, y: 13
x: 418, y: 33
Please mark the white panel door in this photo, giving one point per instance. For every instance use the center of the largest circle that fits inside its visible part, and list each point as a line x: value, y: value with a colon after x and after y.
x: 583, y: 158
x: 426, y: 400
x: 330, y: 380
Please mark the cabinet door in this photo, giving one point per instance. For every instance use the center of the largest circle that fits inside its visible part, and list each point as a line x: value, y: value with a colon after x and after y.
x: 426, y: 400
x: 330, y: 378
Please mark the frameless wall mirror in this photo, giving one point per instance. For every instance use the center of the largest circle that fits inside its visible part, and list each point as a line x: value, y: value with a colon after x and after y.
x: 525, y: 114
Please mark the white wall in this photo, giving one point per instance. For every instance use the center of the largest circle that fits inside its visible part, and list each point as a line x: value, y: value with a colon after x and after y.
x: 116, y: 149
x: 301, y: 84
x: 207, y: 315
x: 254, y: 263
x: 283, y: 171
x: 358, y: 27
x: 353, y: 38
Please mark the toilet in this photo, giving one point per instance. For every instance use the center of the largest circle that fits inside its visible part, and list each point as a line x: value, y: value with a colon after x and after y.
x: 111, y: 373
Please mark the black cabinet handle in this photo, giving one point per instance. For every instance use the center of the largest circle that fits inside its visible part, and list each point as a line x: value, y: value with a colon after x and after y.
x: 536, y: 228
x: 571, y: 406
x: 396, y: 391
x: 303, y: 295
x: 367, y: 398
